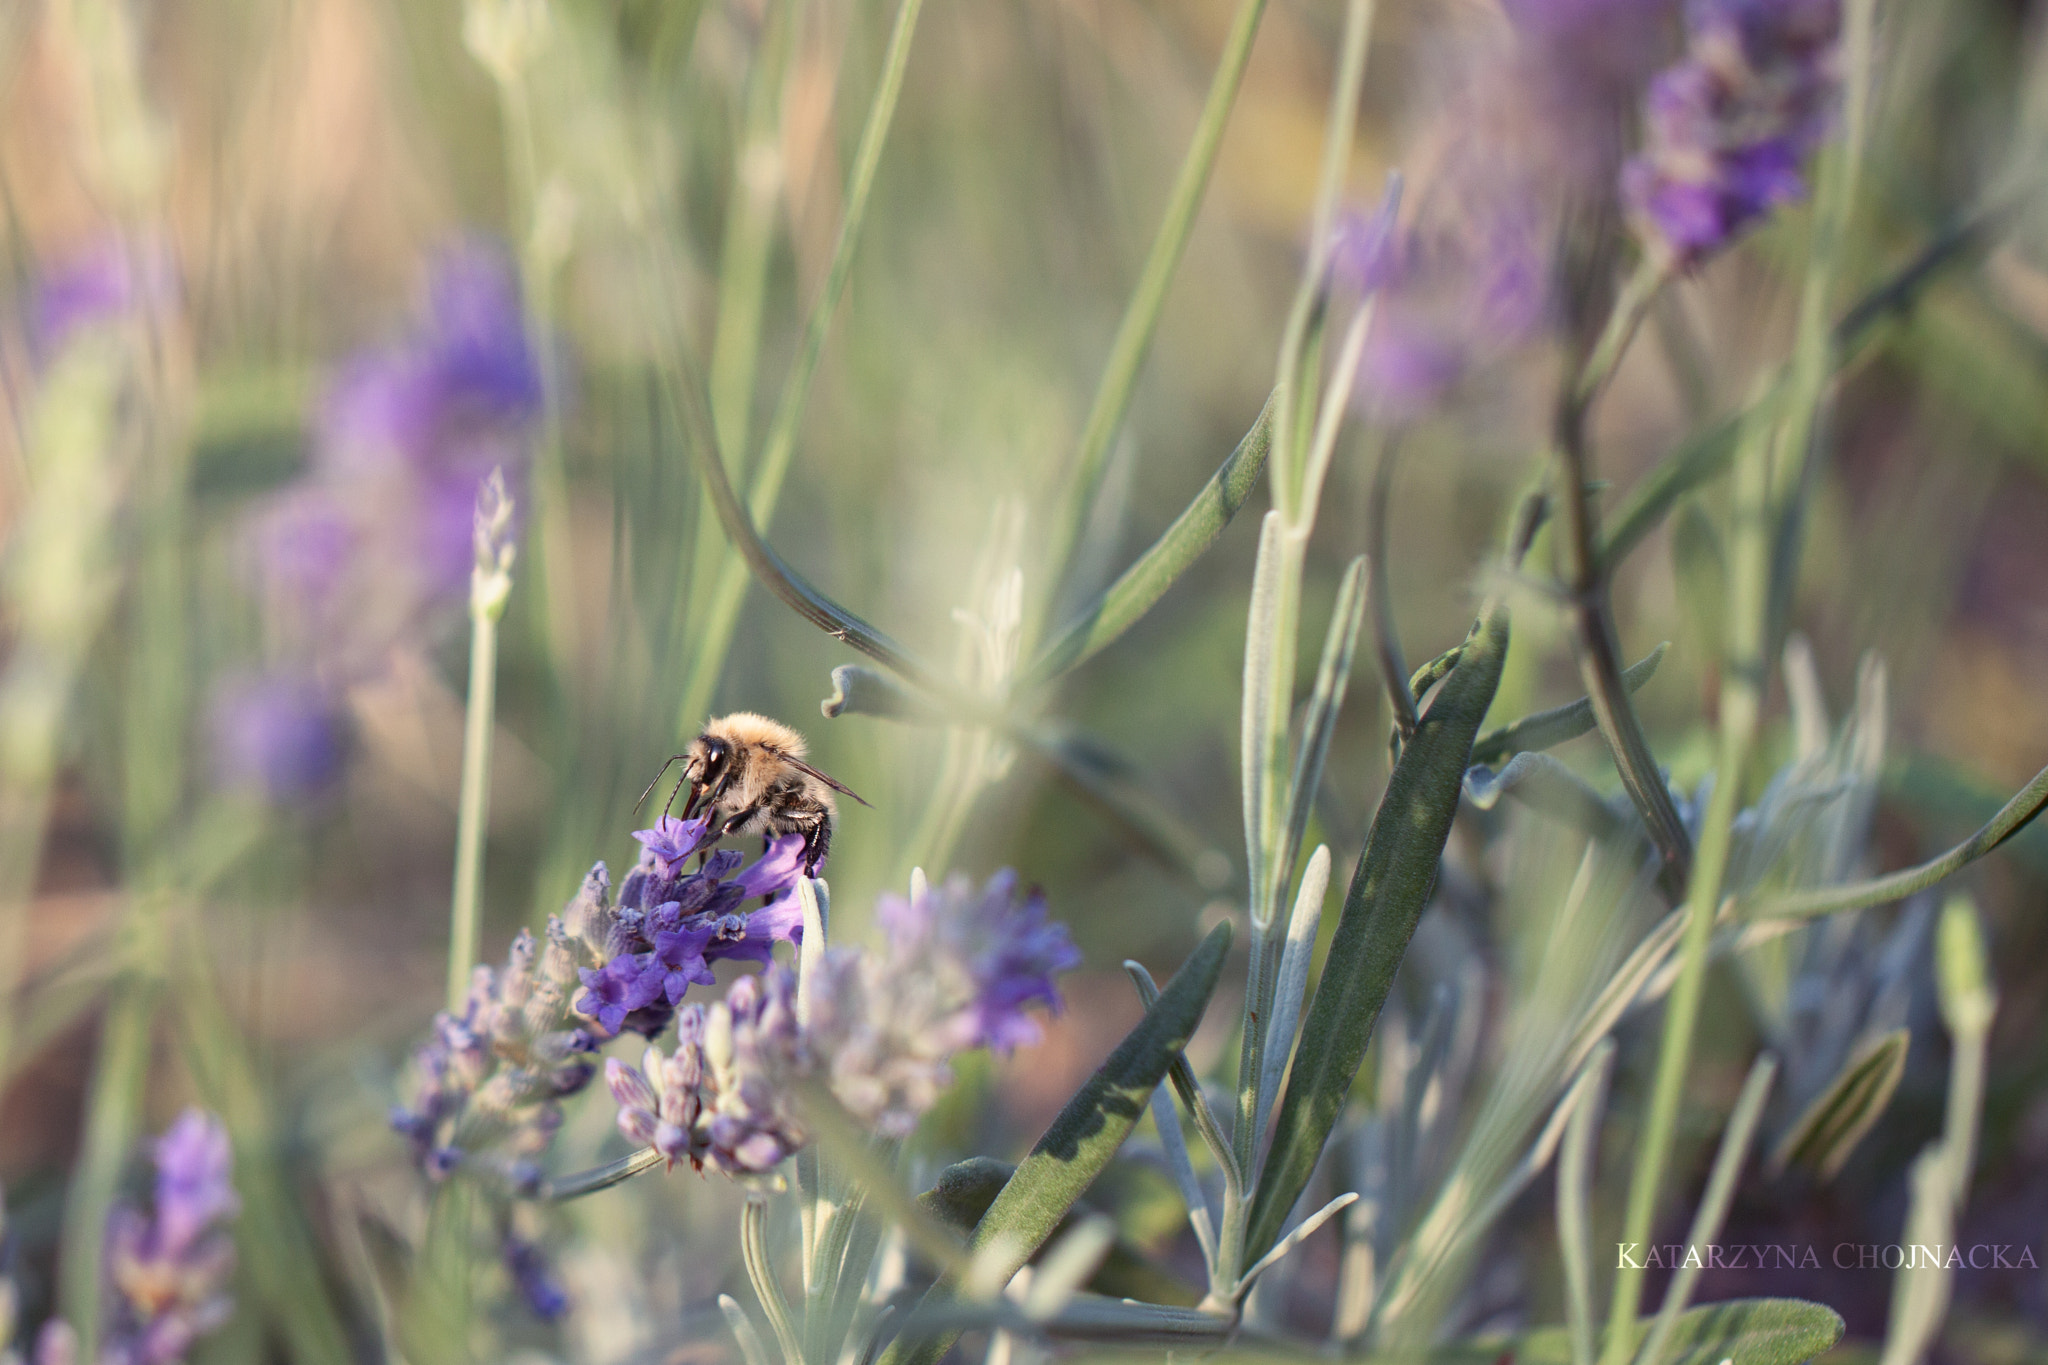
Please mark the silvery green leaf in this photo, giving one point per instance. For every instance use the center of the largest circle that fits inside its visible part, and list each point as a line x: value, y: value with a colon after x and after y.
x: 1735, y: 1332
x: 858, y: 691
x: 1083, y: 1138
x: 1067, y: 1265
x: 1395, y: 875
x: 1146, y: 581
x: 752, y: 1348
x: 1548, y: 729
x: 1303, y: 927
x: 1827, y: 1131
x: 1200, y: 1219
x: 1546, y: 785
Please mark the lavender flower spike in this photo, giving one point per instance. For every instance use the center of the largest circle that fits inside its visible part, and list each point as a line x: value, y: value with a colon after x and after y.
x: 169, y: 1271
x: 1728, y: 127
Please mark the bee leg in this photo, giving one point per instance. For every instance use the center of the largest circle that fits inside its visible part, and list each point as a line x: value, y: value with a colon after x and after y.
x: 817, y: 843
x: 739, y: 817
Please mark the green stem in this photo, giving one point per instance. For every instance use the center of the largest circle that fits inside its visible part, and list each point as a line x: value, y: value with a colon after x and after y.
x: 761, y: 1271
x: 1141, y: 316
x: 113, y: 1118
x: 1741, y: 703
x: 602, y: 1177
x: 490, y: 585
x: 537, y: 265
x: 1593, y: 625
x: 722, y: 609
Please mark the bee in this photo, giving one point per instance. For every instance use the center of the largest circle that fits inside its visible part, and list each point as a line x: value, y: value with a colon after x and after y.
x: 747, y: 775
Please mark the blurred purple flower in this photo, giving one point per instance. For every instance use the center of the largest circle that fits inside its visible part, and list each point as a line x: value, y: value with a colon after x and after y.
x: 487, y: 1084
x: 958, y: 970
x: 375, y: 544
x: 1727, y: 129
x: 535, y: 1279
x: 999, y: 937
x: 281, y: 735
x: 1611, y: 41
x: 112, y: 278
x: 169, y: 1271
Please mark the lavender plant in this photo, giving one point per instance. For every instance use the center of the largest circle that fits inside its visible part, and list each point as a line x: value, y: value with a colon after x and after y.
x: 1363, y: 1149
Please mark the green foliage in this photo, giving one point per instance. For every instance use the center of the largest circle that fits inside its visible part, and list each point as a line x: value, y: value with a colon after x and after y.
x: 1066, y: 1160
x: 1395, y: 875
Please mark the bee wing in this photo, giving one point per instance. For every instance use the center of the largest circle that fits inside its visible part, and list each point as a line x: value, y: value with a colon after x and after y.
x: 834, y: 783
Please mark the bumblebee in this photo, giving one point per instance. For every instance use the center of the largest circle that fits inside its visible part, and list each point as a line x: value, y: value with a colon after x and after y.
x: 747, y: 775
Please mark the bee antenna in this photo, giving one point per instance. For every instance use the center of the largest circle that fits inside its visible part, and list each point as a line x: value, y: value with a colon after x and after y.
x: 657, y: 779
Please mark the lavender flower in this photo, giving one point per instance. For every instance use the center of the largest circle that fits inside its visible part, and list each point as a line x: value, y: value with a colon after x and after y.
x: 534, y: 1278
x: 488, y: 1082
x: 672, y: 924
x: 721, y: 1099
x: 111, y: 278
x: 169, y: 1270
x: 958, y: 970
x: 282, y: 735
x: 1727, y: 128
x: 374, y: 546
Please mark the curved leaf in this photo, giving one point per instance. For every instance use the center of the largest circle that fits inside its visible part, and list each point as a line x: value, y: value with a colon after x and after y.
x: 1146, y: 581
x: 1829, y: 1128
x: 1547, y: 729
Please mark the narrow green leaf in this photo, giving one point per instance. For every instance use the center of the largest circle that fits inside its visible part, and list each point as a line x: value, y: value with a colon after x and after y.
x: 858, y: 691
x: 1735, y: 1332
x: 1087, y: 1133
x: 2013, y: 817
x: 1713, y: 1206
x: 1548, y: 729
x: 1141, y: 315
x: 1575, y: 1202
x: 288, y: 1276
x: 1546, y: 786
x: 728, y: 591
x: 1146, y: 581
x: 1388, y: 891
x: 1827, y: 1131
x: 1326, y: 700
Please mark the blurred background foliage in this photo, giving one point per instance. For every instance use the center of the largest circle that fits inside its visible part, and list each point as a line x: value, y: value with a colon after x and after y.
x: 250, y: 196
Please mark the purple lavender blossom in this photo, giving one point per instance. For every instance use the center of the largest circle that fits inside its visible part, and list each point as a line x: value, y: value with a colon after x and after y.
x: 1462, y: 279
x: 958, y: 970
x: 722, y: 1099
x: 169, y: 1270
x: 374, y: 546
x: 1727, y: 129
x: 488, y: 1082
x: 535, y: 1279
x: 1003, y: 941
x: 671, y: 924
x: 112, y: 278
x: 281, y: 735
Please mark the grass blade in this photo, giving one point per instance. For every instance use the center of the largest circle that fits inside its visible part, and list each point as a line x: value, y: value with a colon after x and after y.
x: 1827, y: 1131
x: 1575, y: 1205
x: 1826, y: 900
x: 722, y: 610
x: 1713, y: 1207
